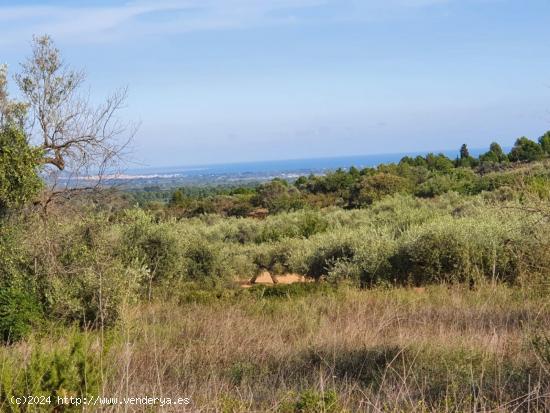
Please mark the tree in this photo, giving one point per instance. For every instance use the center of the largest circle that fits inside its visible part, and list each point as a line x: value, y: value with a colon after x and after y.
x: 12, y: 113
x: 19, y: 179
x: 465, y: 160
x: 417, y: 161
x: 544, y: 142
x: 464, y: 152
x: 525, y: 150
x: 373, y: 188
x: 74, y: 136
x: 439, y: 162
x: 354, y: 172
x: 494, y: 155
x: 178, y: 198
x: 278, y: 196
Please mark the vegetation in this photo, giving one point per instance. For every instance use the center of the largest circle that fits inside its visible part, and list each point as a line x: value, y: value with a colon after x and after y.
x: 429, y: 283
x: 424, y: 176
x: 19, y: 180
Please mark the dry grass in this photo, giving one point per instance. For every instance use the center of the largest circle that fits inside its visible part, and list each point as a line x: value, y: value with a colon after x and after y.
x: 439, y: 349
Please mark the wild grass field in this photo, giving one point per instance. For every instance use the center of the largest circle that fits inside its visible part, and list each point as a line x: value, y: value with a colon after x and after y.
x: 306, y: 348
x: 438, y: 305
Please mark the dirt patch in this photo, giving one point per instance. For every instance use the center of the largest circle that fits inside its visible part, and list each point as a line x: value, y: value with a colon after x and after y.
x: 289, y: 279
x: 265, y: 278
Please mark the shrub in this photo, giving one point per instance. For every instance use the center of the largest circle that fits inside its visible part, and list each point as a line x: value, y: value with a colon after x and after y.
x: 526, y: 150
x: 313, y: 401
x: 278, y: 196
x: 19, y: 312
x: 82, y: 274
x: 375, y: 187
x: 456, y: 250
x: 67, y: 369
x: 290, y: 225
x: 201, y: 261
x: 317, y: 256
x: 436, y: 185
x: 153, y: 245
x: 541, y: 346
x: 19, y: 179
x: 96, y: 297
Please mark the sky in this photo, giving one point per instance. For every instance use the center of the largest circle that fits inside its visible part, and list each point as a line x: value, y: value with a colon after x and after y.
x: 216, y: 81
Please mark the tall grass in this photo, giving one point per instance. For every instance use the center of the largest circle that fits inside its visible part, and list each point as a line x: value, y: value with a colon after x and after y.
x: 439, y: 349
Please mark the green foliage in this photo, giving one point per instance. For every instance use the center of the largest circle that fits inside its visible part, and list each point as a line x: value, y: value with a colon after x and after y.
x: 544, y: 142
x: 152, y: 245
x: 494, y: 155
x: 88, y: 281
x: 275, y: 257
x: 313, y: 401
x: 278, y: 196
x: 19, y: 313
x: 12, y: 113
x: 438, y: 162
x: 455, y: 250
x: 375, y: 187
x: 242, y: 371
x: 526, y: 150
x: 177, y: 198
x: 461, y: 180
x: 541, y: 345
x: 326, y: 258
x: 292, y: 290
x: 464, y: 152
x: 436, y: 185
x: 68, y: 369
x: 202, y: 261
x: 426, y: 176
x: 465, y: 160
x: 19, y: 180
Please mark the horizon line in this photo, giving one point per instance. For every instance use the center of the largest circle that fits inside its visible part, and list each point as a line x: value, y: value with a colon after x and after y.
x: 415, y: 153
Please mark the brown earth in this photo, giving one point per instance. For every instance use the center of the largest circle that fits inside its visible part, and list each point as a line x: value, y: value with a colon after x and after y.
x: 289, y: 279
x: 265, y: 278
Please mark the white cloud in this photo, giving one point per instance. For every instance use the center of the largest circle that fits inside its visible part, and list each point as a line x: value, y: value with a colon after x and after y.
x: 102, y: 23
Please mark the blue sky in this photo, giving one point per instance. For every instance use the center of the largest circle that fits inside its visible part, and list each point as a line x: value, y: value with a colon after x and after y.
x: 235, y: 80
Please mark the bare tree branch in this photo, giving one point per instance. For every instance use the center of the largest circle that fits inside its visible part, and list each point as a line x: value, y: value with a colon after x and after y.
x: 78, y: 139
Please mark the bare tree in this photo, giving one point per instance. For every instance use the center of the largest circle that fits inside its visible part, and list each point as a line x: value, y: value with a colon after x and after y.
x: 80, y: 141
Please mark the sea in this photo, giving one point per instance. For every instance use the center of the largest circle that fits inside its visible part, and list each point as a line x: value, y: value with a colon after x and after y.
x: 259, y: 171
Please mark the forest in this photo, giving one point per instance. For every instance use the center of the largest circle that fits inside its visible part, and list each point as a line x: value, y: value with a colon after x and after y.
x: 426, y: 282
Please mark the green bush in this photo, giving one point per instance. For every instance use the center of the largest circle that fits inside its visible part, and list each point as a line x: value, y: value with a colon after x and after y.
x: 374, y: 187
x: 84, y: 277
x: 318, y: 255
x: 19, y: 179
x: 456, y: 250
x: 67, y: 369
x: 153, y: 245
x: 202, y: 261
x: 541, y: 346
x: 436, y: 185
x: 19, y: 312
x: 312, y: 401
x: 526, y: 150
x: 96, y: 296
